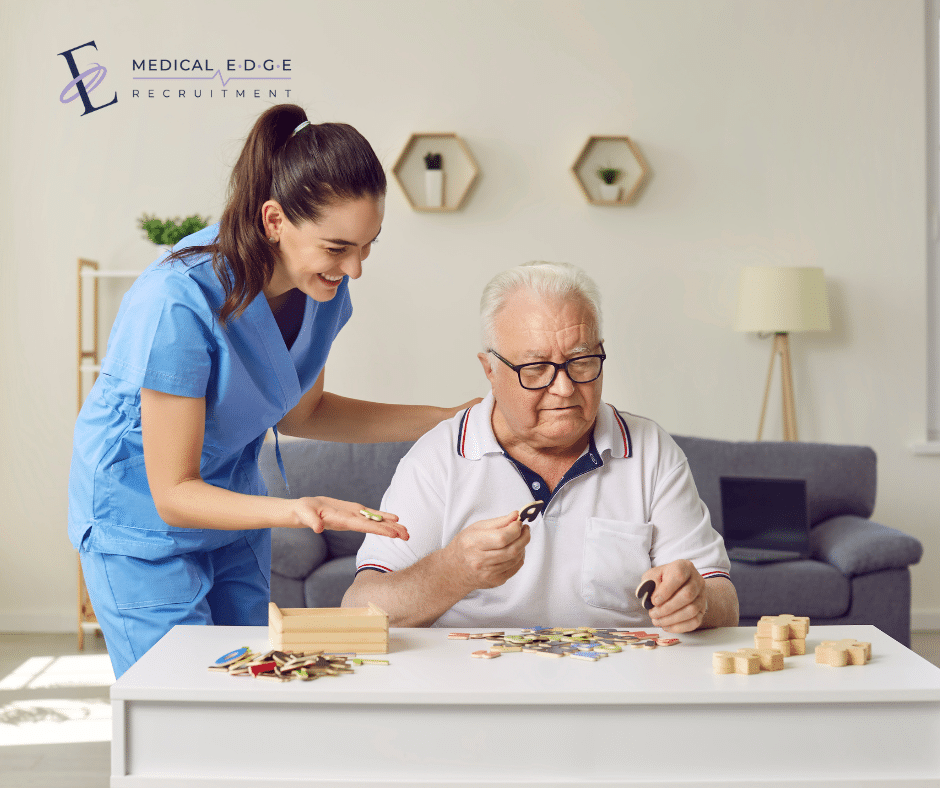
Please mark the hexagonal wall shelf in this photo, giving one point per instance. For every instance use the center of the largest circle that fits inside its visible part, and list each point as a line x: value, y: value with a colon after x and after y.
x: 620, y: 153
x: 460, y: 171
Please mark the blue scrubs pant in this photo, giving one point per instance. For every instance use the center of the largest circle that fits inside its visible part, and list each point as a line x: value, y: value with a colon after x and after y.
x: 137, y: 601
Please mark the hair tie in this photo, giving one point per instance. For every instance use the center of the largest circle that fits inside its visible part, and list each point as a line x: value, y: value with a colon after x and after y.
x: 301, y: 126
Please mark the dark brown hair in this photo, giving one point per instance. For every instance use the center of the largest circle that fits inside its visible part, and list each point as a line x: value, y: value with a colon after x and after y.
x: 306, y: 172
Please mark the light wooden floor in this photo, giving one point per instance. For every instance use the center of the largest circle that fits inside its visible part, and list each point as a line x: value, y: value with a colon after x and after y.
x: 54, y: 699
x: 49, y: 701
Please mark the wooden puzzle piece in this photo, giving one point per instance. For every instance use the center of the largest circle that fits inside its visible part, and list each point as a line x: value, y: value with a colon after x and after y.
x: 747, y: 661
x: 644, y: 593
x: 839, y: 653
x: 786, y: 633
x: 530, y: 512
x: 783, y: 627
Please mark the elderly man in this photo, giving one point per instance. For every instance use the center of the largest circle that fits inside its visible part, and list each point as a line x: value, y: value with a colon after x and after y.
x: 620, y: 506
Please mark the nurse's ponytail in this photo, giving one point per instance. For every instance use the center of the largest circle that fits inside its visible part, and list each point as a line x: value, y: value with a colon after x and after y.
x: 304, y: 167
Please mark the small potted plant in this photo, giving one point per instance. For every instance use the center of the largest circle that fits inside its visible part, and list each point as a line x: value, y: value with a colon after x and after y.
x: 610, y: 189
x: 169, y: 232
x: 433, y: 180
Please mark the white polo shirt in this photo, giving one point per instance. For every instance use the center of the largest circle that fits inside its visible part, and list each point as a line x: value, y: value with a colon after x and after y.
x: 630, y: 505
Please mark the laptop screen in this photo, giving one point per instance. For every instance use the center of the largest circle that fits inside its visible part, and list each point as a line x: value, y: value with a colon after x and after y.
x: 765, y: 513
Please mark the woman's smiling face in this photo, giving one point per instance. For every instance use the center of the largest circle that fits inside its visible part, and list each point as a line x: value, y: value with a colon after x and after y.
x: 315, y: 256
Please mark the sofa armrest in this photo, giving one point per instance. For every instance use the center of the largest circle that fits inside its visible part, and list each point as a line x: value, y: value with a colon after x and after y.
x: 856, y: 546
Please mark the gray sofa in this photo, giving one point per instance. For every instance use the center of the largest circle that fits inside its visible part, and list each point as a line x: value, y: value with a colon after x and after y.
x: 859, y: 572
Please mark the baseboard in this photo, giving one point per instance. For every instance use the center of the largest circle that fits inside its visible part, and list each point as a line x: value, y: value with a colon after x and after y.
x: 25, y: 622
x: 925, y: 619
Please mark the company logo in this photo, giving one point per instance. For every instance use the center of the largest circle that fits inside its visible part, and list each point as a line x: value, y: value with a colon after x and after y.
x: 85, y: 82
x: 201, y: 77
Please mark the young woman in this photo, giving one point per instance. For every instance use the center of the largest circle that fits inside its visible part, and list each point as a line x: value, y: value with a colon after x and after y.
x: 212, y: 346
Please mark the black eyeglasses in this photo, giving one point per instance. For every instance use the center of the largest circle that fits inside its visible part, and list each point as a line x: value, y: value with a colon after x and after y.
x: 541, y: 374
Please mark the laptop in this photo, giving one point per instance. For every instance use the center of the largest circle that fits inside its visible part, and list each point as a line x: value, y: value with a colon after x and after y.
x: 765, y: 520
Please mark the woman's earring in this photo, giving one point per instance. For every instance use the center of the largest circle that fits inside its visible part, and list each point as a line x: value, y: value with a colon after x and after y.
x: 272, y: 240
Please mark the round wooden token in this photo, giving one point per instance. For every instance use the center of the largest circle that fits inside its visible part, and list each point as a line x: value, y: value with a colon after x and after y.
x: 232, y: 656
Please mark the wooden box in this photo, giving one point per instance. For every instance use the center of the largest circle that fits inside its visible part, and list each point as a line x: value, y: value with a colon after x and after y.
x: 331, y: 629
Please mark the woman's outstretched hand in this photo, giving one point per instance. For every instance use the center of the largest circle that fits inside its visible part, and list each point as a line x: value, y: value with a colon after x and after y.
x: 330, y: 514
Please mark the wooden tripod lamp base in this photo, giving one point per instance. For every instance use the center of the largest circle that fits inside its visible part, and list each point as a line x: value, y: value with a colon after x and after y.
x: 781, y: 348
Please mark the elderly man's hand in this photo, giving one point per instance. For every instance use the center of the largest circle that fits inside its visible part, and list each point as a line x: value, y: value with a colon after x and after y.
x: 489, y: 552
x: 679, y: 601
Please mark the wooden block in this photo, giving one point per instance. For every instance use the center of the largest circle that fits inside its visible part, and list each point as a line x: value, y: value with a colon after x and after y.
x: 839, y: 653
x: 747, y: 661
x: 723, y: 662
x: 796, y: 627
x: 797, y: 648
x: 747, y: 664
x: 783, y: 646
x: 786, y: 647
x: 770, y: 658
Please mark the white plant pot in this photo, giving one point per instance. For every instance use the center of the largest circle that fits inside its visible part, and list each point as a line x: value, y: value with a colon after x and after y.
x: 610, y: 192
x: 434, y: 188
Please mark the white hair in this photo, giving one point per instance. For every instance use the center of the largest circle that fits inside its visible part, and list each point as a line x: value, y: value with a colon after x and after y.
x: 560, y: 281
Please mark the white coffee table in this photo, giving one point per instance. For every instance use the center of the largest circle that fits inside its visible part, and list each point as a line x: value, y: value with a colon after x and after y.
x: 436, y: 716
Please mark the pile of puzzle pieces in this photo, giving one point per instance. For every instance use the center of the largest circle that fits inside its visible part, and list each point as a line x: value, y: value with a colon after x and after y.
x: 777, y: 637
x: 283, y: 666
x: 584, y: 643
x: 785, y: 633
x: 784, y: 636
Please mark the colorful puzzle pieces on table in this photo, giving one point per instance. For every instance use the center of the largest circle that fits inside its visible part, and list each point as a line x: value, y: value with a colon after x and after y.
x: 786, y: 633
x: 585, y: 643
x: 839, y: 653
x: 278, y: 665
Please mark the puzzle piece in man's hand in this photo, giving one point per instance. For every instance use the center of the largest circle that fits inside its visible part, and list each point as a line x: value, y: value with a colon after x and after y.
x: 644, y: 593
x: 839, y: 653
x: 530, y: 512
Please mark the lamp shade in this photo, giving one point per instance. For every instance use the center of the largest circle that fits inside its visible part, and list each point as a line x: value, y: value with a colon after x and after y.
x: 775, y: 299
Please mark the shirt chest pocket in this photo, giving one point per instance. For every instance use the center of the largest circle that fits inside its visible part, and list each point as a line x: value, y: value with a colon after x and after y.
x: 616, y: 554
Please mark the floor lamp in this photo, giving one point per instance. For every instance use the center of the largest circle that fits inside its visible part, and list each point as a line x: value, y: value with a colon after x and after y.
x: 778, y: 301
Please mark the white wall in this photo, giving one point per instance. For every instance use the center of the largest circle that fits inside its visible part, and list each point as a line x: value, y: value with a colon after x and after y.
x: 777, y: 132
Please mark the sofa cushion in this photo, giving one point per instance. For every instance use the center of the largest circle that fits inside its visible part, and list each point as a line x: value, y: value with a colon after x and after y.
x: 326, y: 586
x: 803, y: 588
x: 358, y: 472
x: 839, y: 479
x: 857, y: 546
x: 297, y: 552
x: 343, y: 543
x: 286, y: 592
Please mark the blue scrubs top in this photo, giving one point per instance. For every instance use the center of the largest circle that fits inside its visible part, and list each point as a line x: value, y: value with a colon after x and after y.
x: 167, y: 337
